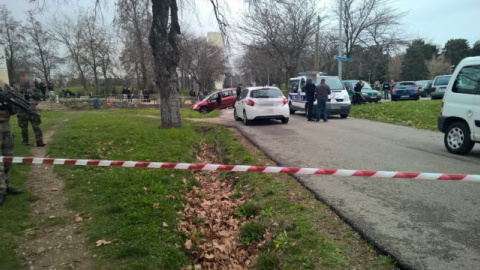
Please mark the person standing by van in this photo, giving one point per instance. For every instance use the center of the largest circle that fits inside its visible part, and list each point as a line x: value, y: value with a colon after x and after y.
x: 309, y: 90
x: 386, y: 90
x: 323, y: 90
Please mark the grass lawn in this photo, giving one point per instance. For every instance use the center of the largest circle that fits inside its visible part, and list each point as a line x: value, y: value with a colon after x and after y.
x: 128, y: 206
x: 184, y: 112
x: 418, y: 114
x: 14, y: 214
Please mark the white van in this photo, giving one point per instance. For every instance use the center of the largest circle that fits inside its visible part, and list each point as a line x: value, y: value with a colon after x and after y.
x: 460, y: 118
x: 338, y: 101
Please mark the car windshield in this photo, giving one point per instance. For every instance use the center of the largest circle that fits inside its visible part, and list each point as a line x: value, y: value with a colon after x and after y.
x: 405, y: 85
x: 334, y: 82
x: 266, y: 93
x: 442, y: 80
x: 366, y: 86
x: 293, y: 87
x: 211, y: 96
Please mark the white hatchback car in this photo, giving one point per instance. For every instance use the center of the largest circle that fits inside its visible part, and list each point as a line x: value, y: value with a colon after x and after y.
x: 460, y: 118
x: 257, y: 103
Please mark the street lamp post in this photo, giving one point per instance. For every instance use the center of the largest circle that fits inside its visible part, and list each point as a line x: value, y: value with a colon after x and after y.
x: 340, y: 41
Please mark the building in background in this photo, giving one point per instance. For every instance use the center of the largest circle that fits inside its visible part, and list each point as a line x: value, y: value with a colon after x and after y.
x: 3, y: 66
x: 216, y: 38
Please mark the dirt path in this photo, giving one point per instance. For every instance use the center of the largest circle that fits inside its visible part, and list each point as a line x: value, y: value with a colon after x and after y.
x: 57, y: 240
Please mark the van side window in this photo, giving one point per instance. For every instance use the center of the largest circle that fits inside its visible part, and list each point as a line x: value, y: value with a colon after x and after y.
x: 303, y: 83
x: 293, y: 86
x: 468, y: 81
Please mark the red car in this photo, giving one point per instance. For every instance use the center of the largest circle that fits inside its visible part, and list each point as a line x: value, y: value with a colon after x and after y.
x: 209, y: 103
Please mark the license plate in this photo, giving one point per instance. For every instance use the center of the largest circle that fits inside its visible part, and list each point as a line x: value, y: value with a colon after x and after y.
x: 405, y: 96
x: 268, y: 110
x: 334, y: 106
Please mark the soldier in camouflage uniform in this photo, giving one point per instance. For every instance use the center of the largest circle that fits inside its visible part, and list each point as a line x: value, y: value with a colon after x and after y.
x: 6, y: 147
x: 24, y: 118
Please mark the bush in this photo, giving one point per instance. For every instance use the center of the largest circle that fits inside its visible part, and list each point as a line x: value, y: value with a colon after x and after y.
x: 248, y: 210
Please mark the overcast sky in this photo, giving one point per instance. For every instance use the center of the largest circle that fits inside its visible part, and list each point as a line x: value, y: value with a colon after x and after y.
x: 435, y: 21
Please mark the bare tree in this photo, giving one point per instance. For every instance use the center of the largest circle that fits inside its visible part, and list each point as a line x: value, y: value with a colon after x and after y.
x: 287, y: 27
x: 395, y: 66
x: 91, y: 39
x: 70, y: 34
x: 205, y: 62
x: 12, y: 36
x: 135, y: 20
x: 43, y: 55
x: 438, y: 65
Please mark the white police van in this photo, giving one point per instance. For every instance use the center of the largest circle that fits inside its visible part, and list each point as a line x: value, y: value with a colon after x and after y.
x: 338, y: 101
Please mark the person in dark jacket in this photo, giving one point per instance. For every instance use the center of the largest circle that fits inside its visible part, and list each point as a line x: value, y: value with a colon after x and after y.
x: 386, y: 89
x: 357, y: 97
x: 309, y: 90
x: 239, y: 90
x: 219, y: 100
x: 323, y: 90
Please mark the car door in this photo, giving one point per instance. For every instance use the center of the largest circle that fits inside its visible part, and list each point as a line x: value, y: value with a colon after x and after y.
x: 465, y: 97
x: 225, y: 99
x: 212, y: 102
x: 240, y: 104
x: 230, y: 100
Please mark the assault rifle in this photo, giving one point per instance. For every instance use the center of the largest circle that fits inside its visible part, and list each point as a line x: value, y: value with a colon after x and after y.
x: 7, y: 95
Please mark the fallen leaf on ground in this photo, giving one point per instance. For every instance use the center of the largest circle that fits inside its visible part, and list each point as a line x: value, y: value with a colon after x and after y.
x: 171, y: 197
x: 156, y: 205
x: 102, y: 242
x: 144, y: 188
x: 78, y: 218
x: 188, y: 244
x: 54, y: 189
x: 165, y: 225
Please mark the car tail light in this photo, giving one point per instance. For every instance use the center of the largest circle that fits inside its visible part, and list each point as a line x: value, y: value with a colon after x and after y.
x: 415, y: 89
x: 433, y: 89
x: 284, y: 101
x: 265, y: 88
x: 250, y: 102
x: 394, y: 90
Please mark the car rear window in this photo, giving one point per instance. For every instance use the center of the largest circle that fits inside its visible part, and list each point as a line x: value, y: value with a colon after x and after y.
x: 266, y: 93
x: 405, y: 85
x: 442, y: 80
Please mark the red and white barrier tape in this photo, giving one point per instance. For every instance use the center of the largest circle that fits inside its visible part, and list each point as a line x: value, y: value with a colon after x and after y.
x: 241, y: 168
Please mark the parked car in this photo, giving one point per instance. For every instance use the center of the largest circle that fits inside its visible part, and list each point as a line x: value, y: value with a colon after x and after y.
x: 439, y: 86
x: 460, y: 117
x: 422, y: 85
x: 370, y: 94
x: 257, y: 103
x: 209, y: 103
x: 405, y: 90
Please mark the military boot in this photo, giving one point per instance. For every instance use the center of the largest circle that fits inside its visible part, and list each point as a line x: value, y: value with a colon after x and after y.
x: 14, y: 191
x: 25, y: 138
x: 40, y: 144
x: 2, y: 199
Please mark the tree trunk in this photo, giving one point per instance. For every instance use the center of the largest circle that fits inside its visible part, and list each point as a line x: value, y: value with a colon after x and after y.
x: 164, y: 42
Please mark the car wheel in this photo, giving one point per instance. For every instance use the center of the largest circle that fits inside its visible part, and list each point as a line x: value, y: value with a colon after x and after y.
x: 292, y: 111
x: 344, y: 116
x: 245, y: 120
x: 417, y: 98
x: 457, y: 139
x: 285, y: 120
x: 235, y: 115
x: 394, y: 99
x: 204, y: 110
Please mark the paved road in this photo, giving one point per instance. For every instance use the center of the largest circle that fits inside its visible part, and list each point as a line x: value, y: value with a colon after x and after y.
x: 425, y: 224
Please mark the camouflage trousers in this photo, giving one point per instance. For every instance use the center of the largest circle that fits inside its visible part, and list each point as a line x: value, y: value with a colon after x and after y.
x: 6, y: 144
x: 23, y: 121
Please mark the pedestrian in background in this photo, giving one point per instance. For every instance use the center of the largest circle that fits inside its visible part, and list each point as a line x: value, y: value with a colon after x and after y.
x: 386, y: 90
x: 239, y: 91
x: 24, y: 118
x: 309, y: 90
x: 323, y: 90
x: 357, y: 97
